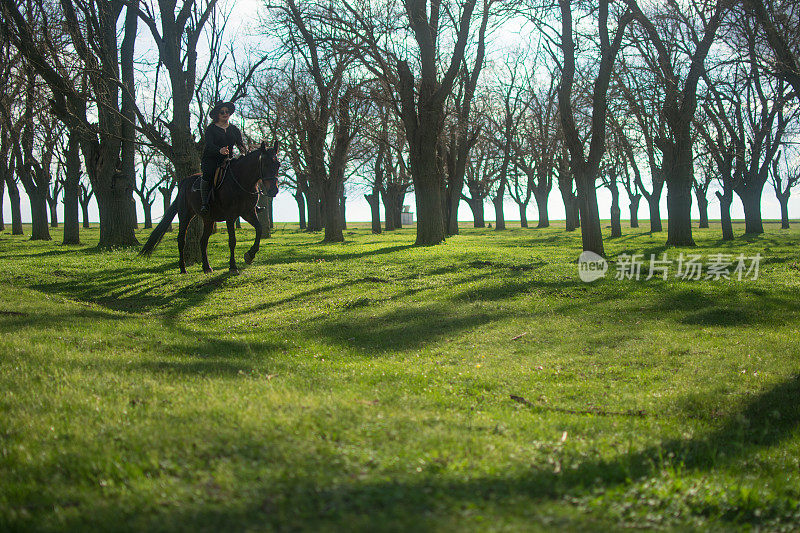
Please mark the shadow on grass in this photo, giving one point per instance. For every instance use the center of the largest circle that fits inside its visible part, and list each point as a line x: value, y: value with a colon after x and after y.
x: 429, y: 499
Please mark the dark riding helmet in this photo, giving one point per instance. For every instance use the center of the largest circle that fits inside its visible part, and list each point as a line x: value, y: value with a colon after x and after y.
x: 214, y: 113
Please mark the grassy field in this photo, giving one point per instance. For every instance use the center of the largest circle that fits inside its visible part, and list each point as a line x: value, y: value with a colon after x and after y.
x: 368, y: 386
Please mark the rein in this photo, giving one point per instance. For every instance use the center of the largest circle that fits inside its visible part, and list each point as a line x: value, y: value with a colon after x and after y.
x: 258, y: 189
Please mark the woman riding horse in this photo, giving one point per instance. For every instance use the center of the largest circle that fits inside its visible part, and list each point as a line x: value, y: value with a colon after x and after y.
x: 235, y: 197
x: 221, y: 136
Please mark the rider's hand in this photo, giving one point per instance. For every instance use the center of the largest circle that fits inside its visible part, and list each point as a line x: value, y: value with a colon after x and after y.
x: 224, y: 150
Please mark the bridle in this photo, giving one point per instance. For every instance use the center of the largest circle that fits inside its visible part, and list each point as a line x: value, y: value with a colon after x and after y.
x: 260, y: 175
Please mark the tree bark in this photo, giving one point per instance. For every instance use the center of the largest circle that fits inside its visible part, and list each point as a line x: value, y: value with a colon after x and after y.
x: 301, y: 208
x: 85, y: 213
x: 2, y: 197
x: 751, y: 202
x: 476, y: 206
x: 679, y: 213
x: 72, y: 191
x: 375, y: 210
x: 634, y: 209
x: 333, y: 212
x: 783, y: 200
x: 589, y: 212
x: 499, y: 216
x: 147, y: 207
x: 523, y: 215
x: 541, y: 206
x: 14, y: 201
x: 265, y: 216
x: 702, y: 206
x: 314, y: 207
x: 616, y: 212
x: 725, y: 201
x: 166, y: 198
x: 52, y: 207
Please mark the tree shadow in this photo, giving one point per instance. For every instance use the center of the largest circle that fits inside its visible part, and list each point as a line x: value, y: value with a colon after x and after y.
x: 430, y: 499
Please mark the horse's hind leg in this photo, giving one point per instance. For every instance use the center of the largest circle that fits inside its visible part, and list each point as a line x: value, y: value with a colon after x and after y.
x: 232, y: 245
x: 207, y: 227
x: 252, y: 218
x: 183, y: 225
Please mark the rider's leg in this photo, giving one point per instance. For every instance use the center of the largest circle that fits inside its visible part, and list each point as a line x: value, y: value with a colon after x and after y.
x: 208, y: 168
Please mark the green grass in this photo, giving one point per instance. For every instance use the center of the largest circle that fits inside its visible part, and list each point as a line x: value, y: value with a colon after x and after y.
x: 367, y: 386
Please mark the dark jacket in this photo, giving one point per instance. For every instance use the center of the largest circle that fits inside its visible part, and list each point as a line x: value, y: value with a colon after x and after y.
x: 216, y: 138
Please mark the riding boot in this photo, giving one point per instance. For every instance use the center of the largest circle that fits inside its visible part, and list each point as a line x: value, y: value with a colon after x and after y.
x: 205, y: 189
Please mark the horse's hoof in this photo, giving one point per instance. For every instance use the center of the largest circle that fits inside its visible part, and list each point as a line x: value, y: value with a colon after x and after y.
x: 248, y: 258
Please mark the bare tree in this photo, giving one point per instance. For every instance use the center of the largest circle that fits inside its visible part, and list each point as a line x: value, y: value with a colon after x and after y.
x: 92, y: 29
x: 783, y: 189
x: 696, y: 23
x: 585, y: 167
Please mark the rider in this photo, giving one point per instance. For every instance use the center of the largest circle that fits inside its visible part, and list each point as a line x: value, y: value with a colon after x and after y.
x: 220, y: 137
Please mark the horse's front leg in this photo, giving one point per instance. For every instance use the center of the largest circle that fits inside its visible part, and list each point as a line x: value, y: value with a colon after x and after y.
x: 232, y: 245
x: 208, y: 225
x: 252, y: 218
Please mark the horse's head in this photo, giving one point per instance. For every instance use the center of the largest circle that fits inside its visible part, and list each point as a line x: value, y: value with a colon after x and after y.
x: 269, y: 166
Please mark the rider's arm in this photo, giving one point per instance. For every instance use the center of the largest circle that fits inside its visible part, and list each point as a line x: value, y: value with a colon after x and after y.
x: 239, y: 141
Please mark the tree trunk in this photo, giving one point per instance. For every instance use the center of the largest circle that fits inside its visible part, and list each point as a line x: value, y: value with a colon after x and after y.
x: 375, y: 210
x: 265, y: 216
x: 2, y: 195
x: 499, y: 216
x: 453, y: 198
x: 679, y: 213
x: 314, y: 207
x: 476, y: 206
x: 332, y: 212
x: 654, y: 202
x: 784, y: 201
x: 147, y: 207
x: 541, y: 207
x: 52, y: 207
x: 430, y: 215
x: 523, y: 214
x: 166, y: 197
x: 16, y: 207
x: 301, y: 207
x: 568, y: 198
x: 616, y: 213
x: 389, y: 207
x: 72, y: 191
x: 751, y: 202
x: 725, y: 201
x: 634, y: 209
x: 591, y: 232
x: 117, y: 212
x: 702, y: 206
x: 85, y: 213
x: 39, y: 229
x: 343, y: 211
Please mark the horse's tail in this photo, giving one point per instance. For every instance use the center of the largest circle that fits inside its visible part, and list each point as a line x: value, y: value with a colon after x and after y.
x: 161, y: 229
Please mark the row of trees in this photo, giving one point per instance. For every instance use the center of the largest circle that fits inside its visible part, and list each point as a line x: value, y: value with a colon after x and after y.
x: 440, y: 98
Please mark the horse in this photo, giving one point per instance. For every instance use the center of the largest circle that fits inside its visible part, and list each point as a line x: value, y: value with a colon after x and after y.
x: 236, y: 197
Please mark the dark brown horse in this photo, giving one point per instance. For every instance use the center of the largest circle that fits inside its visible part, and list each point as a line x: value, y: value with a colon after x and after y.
x: 236, y: 197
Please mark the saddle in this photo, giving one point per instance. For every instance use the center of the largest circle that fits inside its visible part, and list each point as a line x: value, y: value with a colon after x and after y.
x: 219, y: 177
